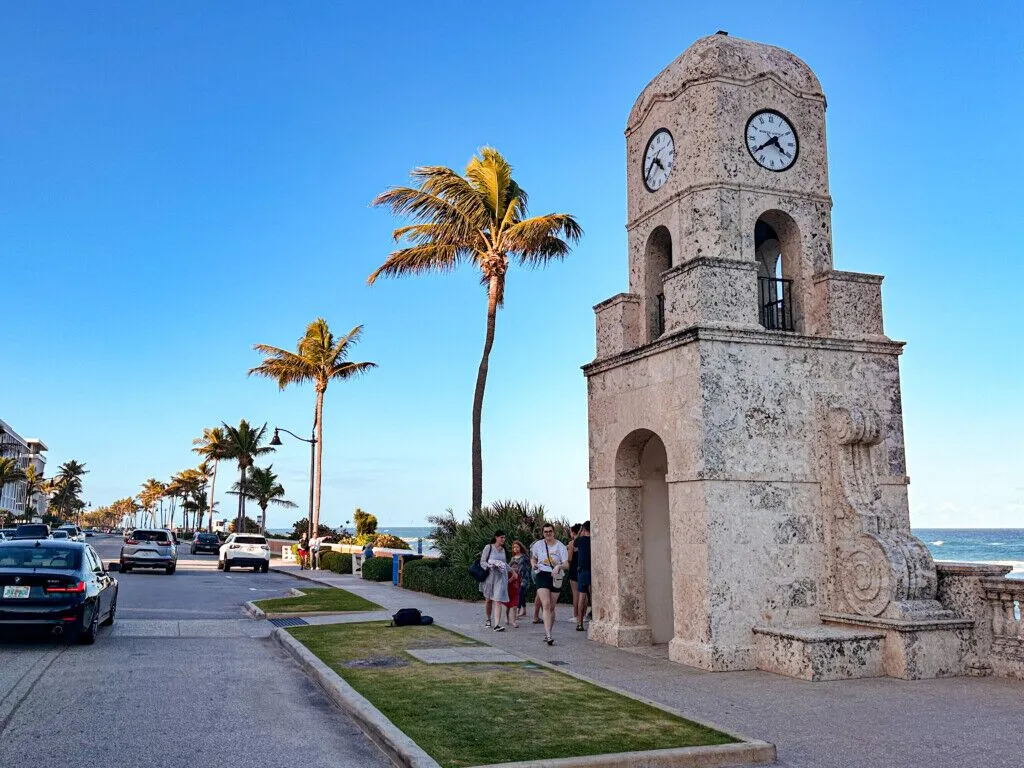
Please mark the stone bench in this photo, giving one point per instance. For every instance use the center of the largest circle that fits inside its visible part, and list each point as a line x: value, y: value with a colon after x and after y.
x: 819, y: 652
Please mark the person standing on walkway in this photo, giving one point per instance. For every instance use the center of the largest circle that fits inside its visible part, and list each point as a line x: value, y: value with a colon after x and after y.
x: 574, y: 531
x: 550, y: 560
x: 495, y: 586
x: 302, y: 550
x: 314, y: 551
x: 521, y: 563
x: 582, y: 549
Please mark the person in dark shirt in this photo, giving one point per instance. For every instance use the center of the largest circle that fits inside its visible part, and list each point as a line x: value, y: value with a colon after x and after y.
x: 582, y: 550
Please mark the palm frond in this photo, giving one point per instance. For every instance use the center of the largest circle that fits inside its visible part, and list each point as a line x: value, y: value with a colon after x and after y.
x: 429, y: 257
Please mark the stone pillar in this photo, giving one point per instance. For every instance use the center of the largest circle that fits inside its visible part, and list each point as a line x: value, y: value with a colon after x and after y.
x: 620, y: 616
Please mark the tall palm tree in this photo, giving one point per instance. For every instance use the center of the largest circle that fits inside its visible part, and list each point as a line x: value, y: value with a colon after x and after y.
x: 262, y: 486
x: 480, y: 218
x: 319, y: 359
x: 211, y: 447
x: 11, y: 473
x: 243, y: 444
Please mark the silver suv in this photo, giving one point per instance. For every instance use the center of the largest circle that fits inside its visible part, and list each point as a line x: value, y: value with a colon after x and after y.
x: 149, y: 548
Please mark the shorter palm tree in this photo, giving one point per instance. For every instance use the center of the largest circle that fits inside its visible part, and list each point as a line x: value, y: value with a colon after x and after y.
x: 243, y: 444
x: 262, y: 487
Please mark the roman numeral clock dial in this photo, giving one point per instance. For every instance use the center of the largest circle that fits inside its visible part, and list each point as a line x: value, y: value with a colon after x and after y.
x: 658, y: 159
x: 771, y: 140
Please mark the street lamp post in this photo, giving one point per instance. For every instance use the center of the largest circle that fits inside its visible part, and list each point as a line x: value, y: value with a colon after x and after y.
x: 275, y: 441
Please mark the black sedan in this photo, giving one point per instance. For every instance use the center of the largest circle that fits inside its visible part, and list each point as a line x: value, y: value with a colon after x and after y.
x: 206, y: 542
x: 57, y: 586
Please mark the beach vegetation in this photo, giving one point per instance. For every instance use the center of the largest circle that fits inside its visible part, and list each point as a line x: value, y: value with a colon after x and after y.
x: 377, y: 569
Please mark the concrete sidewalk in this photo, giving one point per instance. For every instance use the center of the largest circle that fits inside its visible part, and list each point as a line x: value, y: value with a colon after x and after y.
x: 872, y: 723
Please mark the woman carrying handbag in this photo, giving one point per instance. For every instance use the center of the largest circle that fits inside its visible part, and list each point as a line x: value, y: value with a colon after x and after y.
x: 550, y: 559
x: 495, y: 586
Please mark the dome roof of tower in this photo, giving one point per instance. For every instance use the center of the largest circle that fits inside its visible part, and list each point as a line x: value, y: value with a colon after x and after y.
x: 722, y: 56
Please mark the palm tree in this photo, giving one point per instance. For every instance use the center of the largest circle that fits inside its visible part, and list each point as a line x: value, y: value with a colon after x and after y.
x: 67, y: 485
x: 263, y: 488
x: 211, y: 447
x: 481, y: 219
x: 319, y: 359
x: 35, y: 484
x: 243, y: 444
x: 10, y: 472
x: 151, y: 493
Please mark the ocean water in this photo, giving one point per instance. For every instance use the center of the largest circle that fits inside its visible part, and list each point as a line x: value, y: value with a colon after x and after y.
x: 977, y: 545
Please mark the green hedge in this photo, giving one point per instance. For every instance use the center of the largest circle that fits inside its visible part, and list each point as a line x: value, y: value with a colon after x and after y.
x: 377, y: 569
x: 437, y: 578
x: 339, y: 562
x: 432, y: 577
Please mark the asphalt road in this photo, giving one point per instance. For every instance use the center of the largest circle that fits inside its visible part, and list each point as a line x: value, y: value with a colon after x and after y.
x: 182, y: 679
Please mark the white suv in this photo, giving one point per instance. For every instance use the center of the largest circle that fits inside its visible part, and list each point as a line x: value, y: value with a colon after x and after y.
x: 74, y: 532
x: 246, y: 550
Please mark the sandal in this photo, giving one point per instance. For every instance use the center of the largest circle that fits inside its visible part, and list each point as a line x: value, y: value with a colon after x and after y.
x: 537, y: 621
x: 487, y: 623
x: 499, y: 628
x: 549, y: 640
x: 515, y: 625
x: 579, y: 627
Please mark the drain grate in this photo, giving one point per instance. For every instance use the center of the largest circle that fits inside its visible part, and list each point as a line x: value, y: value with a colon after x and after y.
x: 291, y: 621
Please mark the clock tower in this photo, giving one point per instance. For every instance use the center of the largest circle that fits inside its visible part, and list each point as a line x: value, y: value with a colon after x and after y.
x: 747, y: 471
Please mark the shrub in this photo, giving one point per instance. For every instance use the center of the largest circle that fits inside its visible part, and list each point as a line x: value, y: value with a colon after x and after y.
x: 387, y: 541
x: 339, y: 562
x: 377, y: 569
x: 436, y: 578
x: 460, y: 542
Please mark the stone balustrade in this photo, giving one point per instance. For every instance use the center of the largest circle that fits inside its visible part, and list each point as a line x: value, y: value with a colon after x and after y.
x: 1005, y: 598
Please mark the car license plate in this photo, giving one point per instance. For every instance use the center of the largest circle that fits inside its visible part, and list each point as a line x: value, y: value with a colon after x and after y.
x: 145, y: 553
x: 16, y: 592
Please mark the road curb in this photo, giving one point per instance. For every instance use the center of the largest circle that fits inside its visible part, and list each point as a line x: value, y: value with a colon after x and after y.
x: 253, y: 611
x: 402, y: 750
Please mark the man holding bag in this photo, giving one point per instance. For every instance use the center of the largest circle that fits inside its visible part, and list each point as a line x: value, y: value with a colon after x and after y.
x: 549, y: 558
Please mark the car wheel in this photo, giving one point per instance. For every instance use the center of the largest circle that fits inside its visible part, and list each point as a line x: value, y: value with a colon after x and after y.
x: 266, y: 567
x: 113, y: 612
x: 192, y: 550
x: 227, y: 566
x: 88, y: 636
x: 125, y: 568
x: 169, y: 570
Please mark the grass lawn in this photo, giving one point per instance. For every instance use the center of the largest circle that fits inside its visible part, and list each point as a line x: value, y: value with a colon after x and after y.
x: 475, y: 714
x: 328, y: 599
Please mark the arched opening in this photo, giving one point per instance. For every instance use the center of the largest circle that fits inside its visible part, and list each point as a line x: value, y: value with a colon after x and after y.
x: 657, y: 258
x: 777, y: 252
x: 657, y: 541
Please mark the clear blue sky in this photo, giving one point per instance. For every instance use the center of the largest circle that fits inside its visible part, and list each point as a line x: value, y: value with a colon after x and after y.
x: 181, y: 180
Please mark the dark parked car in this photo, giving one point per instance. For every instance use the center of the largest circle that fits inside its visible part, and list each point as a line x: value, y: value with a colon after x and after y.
x: 32, y: 531
x: 56, y: 586
x: 205, y: 542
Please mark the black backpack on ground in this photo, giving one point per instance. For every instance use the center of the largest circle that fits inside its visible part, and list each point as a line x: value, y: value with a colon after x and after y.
x: 406, y: 617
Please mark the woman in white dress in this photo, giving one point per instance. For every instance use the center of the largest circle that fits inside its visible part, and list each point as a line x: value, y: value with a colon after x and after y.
x: 495, y: 586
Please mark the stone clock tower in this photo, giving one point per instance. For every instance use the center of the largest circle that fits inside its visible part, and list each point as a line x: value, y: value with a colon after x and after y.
x: 747, y: 475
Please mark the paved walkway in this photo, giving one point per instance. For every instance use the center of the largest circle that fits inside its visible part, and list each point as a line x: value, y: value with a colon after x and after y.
x: 874, y: 723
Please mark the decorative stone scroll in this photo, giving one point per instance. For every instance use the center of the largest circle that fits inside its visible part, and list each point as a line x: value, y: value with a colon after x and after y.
x: 878, y: 567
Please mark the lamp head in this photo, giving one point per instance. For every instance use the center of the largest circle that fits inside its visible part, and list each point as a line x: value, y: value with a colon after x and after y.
x: 276, y: 439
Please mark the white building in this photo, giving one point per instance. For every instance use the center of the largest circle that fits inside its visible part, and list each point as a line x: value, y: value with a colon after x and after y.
x: 28, y: 452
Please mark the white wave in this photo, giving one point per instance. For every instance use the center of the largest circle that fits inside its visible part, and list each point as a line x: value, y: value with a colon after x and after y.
x: 938, y: 543
x: 996, y: 544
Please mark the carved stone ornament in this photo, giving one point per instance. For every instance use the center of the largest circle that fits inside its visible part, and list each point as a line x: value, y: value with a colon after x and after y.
x: 878, y: 568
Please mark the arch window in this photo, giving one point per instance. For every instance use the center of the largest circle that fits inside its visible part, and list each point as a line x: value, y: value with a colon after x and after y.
x: 774, y: 284
x: 657, y: 259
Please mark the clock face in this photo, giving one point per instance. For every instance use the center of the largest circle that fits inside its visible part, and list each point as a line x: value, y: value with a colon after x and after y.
x: 771, y: 140
x: 658, y: 158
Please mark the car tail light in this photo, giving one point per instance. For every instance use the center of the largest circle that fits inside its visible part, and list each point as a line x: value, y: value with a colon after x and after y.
x: 79, y: 587
x: 235, y: 546
x: 132, y: 541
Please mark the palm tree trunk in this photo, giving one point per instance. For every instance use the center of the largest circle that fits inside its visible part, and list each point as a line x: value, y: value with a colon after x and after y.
x: 478, y: 394
x: 240, y: 520
x: 263, y: 519
x: 213, y: 486
x: 319, y: 459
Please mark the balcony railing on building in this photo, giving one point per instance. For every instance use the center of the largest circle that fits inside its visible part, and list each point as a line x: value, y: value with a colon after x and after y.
x: 775, y: 303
